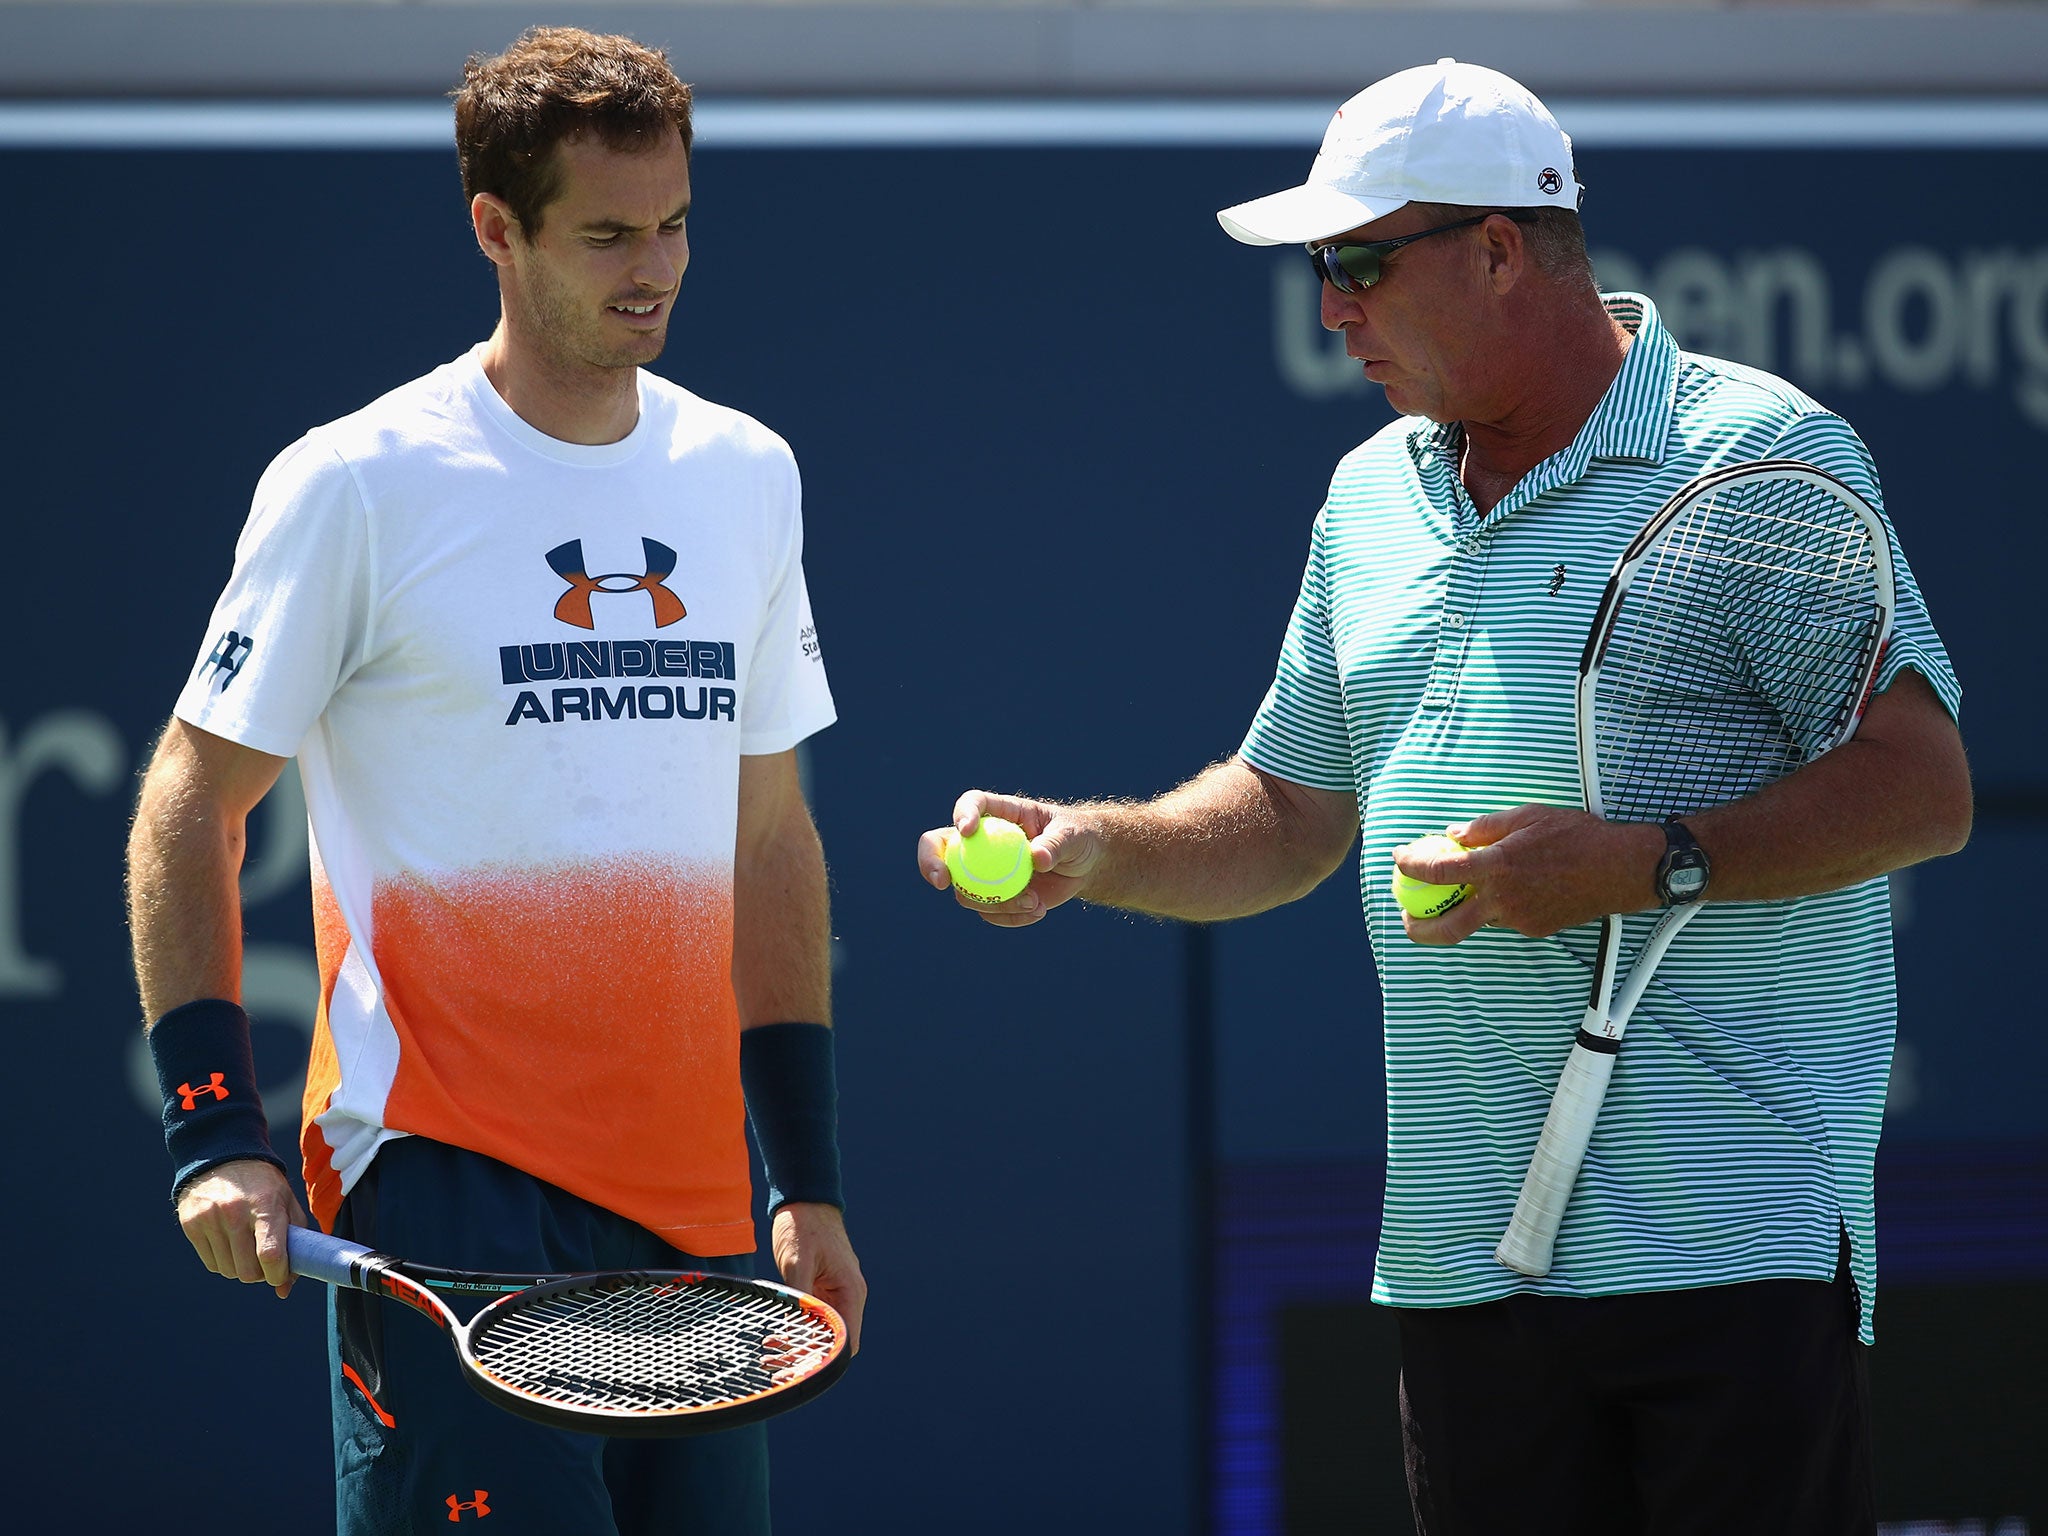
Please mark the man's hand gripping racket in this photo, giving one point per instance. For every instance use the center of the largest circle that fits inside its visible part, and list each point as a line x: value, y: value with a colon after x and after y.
x: 1787, y: 571
x: 638, y: 1352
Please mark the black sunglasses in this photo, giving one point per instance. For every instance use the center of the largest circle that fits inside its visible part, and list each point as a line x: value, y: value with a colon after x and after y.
x: 1355, y: 268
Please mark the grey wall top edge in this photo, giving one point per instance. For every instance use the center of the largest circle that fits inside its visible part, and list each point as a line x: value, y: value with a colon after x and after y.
x: 118, y: 48
x: 1046, y: 122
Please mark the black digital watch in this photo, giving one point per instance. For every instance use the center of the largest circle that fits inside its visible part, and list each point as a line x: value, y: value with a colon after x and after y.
x: 1682, y: 872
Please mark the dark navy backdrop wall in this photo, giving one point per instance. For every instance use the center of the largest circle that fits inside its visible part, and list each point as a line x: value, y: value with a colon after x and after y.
x: 1062, y: 443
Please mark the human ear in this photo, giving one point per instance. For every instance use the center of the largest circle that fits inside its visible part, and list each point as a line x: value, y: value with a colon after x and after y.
x: 1506, y: 253
x: 495, y: 228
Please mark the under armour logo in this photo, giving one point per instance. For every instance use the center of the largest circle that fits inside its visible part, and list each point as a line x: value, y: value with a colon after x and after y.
x: 1548, y: 182
x: 188, y: 1096
x: 573, y: 607
x: 227, y: 656
x: 457, y: 1506
x: 1556, y: 580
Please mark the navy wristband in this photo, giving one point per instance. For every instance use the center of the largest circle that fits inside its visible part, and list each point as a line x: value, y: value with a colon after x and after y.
x: 207, y: 1072
x: 792, y: 1087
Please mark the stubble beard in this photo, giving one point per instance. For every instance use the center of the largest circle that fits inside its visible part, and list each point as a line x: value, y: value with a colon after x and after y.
x: 572, y: 340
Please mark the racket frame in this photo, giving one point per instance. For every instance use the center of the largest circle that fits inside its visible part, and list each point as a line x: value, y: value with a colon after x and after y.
x: 337, y: 1261
x: 1528, y: 1244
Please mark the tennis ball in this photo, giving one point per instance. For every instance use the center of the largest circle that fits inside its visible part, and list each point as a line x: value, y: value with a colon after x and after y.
x: 1418, y: 898
x: 993, y: 865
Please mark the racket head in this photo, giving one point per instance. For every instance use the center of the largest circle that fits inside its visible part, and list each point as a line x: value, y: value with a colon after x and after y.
x: 1737, y: 640
x: 653, y: 1353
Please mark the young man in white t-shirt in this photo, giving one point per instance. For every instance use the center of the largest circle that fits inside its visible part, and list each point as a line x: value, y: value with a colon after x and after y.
x: 535, y: 627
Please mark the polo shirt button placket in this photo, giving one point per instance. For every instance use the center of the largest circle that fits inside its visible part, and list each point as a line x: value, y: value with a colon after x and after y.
x: 1454, y: 618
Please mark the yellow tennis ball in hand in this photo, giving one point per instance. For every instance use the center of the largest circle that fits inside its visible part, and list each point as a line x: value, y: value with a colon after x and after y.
x: 993, y: 865
x: 1418, y: 898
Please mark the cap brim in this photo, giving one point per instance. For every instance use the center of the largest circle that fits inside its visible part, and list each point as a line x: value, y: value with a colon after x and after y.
x: 1303, y: 214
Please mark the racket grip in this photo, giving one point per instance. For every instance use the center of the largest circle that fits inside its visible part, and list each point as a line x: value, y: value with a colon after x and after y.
x: 317, y: 1256
x: 1554, y: 1169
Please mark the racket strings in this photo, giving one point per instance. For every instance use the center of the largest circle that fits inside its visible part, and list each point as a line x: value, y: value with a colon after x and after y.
x: 652, y: 1345
x: 1739, y: 651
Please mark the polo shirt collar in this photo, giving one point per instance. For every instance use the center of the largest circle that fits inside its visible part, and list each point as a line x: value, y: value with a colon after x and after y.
x: 1633, y: 419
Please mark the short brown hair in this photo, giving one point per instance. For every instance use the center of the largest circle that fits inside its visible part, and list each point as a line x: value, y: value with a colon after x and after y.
x: 1556, y: 239
x: 556, y: 84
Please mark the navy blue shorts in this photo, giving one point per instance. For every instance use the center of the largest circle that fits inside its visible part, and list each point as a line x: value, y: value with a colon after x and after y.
x: 415, y: 1447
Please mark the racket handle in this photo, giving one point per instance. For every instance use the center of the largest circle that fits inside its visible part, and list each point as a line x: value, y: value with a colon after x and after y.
x: 317, y: 1256
x: 1554, y: 1169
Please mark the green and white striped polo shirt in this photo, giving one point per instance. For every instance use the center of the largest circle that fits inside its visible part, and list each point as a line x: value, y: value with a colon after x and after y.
x: 1429, y: 669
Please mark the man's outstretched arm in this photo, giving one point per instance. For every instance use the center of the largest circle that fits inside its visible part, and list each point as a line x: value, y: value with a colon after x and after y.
x: 1232, y: 841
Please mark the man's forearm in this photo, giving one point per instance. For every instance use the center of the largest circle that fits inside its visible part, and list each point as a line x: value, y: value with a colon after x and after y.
x: 184, y: 905
x: 1879, y: 802
x: 782, y: 982
x: 1895, y: 795
x: 1228, y: 843
x: 782, y: 928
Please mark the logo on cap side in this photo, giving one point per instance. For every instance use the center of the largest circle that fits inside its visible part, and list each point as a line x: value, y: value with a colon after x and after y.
x: 1548, y: 182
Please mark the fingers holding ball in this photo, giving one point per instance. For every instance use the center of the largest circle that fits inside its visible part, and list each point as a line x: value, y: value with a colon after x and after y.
x: 993, y: 865
x: 1418, y: 898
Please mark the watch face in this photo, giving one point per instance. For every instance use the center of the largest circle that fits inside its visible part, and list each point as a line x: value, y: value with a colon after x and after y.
x: 1686, y: 880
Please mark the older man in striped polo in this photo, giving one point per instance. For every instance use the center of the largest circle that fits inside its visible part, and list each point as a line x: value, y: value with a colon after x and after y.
x: 1693, y: 1360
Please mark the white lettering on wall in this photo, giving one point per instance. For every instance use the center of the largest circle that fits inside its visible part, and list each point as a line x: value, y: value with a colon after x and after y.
x: 84, y: 746
x: 1921, y: 320
x: 1311, y: 359
x: 280, y: 982
x: 1924, y: 319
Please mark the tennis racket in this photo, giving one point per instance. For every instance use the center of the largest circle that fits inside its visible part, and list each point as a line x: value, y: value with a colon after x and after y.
x: 1737, y: 641
x: 637, y: 1352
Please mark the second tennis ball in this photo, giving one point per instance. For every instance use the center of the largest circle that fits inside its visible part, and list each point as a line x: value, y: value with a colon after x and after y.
x: 993, y: 865
x: 1420, y: 899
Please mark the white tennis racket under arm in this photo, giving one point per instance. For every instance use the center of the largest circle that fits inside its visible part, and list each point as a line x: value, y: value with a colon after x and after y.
x: 1737, y: 641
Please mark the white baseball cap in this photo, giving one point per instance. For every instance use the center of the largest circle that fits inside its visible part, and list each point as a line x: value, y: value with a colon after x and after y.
x: 1440, y: 133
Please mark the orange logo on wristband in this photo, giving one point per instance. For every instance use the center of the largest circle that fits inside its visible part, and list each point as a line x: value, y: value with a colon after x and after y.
x: 188, y: 1096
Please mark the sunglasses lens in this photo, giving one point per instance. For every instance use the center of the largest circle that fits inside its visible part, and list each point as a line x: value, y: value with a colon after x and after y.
x: 1347, y: 268
x: 1361, y: 263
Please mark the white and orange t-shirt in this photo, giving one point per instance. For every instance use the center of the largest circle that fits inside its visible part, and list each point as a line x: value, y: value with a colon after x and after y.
x: 519, y: 675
